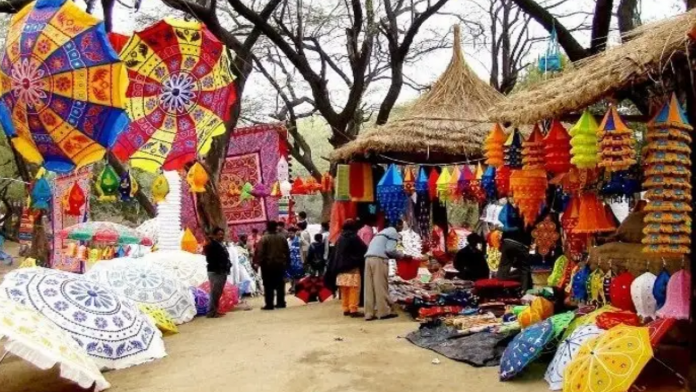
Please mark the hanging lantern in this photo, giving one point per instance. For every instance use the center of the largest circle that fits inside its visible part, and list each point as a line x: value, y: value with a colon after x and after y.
x: 260, y: 190
x: 286, y: 188
x: 493, y: 146
x: 432, y: 183
x: 409, y: 180
x: 584, y: 142
x: 513, y: 150
x: 476, y: 191
x: 464, y: 183
x: 107, y: 184
x: 557, y: 149
x: 502, y: 181
x: 551, y: 60
x: 616, y: 143
x: 528, y: 186
x: 488, y: 182
x: 160, y: 188
x: 390, y: 194
x: 312, y: 185
x: 533, y: 149
x: 298, y: 187
x: 245, y: 192
x: 342, y: 188
x: 327, y: 183
x: 668, y: 182
x: 453, y: 189
x: 545, y: 236
x: 197, y: 178
x: 443, y: 185
x: 275, y: 189
x: 189, y: 243
x: 592, y: 216
x: 41, y: 194
x: 127, y: 187
x: 74, y: 200
x: 422, y: 181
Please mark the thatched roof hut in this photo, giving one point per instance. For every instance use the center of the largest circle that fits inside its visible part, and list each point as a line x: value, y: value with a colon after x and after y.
x: 643, y: 58
x: 446, y: 124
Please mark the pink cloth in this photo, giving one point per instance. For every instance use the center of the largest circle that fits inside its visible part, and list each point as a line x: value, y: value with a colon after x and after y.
x: 366, y: 234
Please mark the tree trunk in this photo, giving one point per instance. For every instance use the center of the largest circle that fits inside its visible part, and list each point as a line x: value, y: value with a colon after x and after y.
x: 40, y: 249
x: 327, y: 201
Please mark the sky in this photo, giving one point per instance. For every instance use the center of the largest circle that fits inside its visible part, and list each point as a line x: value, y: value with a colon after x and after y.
x: 432, y: 65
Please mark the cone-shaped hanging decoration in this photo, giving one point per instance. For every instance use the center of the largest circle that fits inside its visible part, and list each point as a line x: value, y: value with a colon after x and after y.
x: 477, y: 192
x: 493, y: 146
x: 513, y: 150
x: 616, y: 143
x: 197, y: 178
x: 40, y: 194
x: 454, y: 193
x: 107, y: 184
x: 409, y: 180
x: 533, y: 149
x: 422, y: 181
x: 443, y: 185
x: 432, y: 183
x: 592, y: 216
x: 327, y: 183
x: 584, y: 142
x: 128, y: 187
x: 557, y: 149
x: 160, y: 188
x: 390, y: 194
x: 298, y: 187
x: 668, y: 182
x: 189, y: 243
x: 502, y: 181
x: 275, y: 190
x: 74, y: 200
x: 488, y: 182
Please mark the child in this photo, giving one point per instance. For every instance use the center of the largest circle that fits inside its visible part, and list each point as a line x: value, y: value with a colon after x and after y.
x: 315, y: 262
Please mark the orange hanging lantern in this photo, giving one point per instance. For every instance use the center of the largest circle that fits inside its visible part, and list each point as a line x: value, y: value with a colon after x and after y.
x: 197, y: 178
x: 312, y: 185
x: 74, y: 200
x: 528, y: 186
x: 533, y: 150
x: 592, y: 216
x: 432, y: 183
x: 493, y: 146
x: 616, y: 143
x: 502, y: 181
x: 327, y: 183
x: 409, y: 181
x: 298, y: 187
x: 557, y: 149
x: 189, y: 242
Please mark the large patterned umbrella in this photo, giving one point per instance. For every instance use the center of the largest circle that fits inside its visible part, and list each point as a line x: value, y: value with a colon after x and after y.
x: 524, y: 349
x: 38, y: 340
x: 106, y: 232
x: 61, y: 87
x: 567, y: 349
x: 146, y: 283
x: 610, y: 362
x: 188, y: 267
x: 179, y: 94
x: 111, y: 328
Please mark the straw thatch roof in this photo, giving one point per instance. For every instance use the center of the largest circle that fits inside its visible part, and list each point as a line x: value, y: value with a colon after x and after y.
x: 646, y: 55
x: 446, y: 124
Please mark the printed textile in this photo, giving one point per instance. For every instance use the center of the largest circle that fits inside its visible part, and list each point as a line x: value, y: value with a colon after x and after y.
x: 60, y: 220
x: 252, y: 157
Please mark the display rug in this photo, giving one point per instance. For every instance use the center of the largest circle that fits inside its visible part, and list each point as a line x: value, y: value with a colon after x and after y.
x: 59, y: 219
x: 252, y: 158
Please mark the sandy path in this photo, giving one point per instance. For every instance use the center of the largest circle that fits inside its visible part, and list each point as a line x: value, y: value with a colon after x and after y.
x: 289, y: 350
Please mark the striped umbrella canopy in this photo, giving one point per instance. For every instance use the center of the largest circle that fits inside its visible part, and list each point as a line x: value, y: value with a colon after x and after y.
x: 105, y: 232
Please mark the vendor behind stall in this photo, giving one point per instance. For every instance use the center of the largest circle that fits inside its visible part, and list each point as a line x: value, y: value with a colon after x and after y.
x: 470, y: 261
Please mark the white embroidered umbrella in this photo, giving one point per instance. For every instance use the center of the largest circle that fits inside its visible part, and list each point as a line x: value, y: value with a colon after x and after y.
x: 146, y: 283
x: 642, y: 295
x: 112, y: 330
x: 188, y: 267
x: 567, y: 349
x: 36, y: 339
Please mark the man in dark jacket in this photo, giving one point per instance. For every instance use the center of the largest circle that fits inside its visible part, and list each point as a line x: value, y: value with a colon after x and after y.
x: 514, y: 259
x: 219, y: 265
x: 273, y: 256
x: 470, y: 261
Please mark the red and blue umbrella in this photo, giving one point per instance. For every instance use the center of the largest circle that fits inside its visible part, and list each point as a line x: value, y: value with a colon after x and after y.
x: 61, y: 91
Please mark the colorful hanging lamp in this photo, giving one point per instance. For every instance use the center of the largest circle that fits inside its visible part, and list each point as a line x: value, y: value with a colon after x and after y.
x: 616, y: 143
x: 41, y: 194
x: 453, y: 191
x: 488, y: 182
x: 443, y: 185
x: 668, y: 182
x: 502, y: 181
x: 422, y: 182
x: 107, y: 184
x: 557, y: 149
x: 592, y: 216
x: 528, y: 186
x: 551, y: 60
x: 160, y: 188
x: 432, y: 183
x: 513, y: 150
x: 390, y: 194
x: 127, y: 187
x: 409, y: 180
x: 493, y: 146
x: 584, y: 142
x: 197, y: 178
x: 74, y: 200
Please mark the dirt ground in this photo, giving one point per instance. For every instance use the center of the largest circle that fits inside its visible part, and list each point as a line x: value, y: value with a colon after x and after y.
x: 291, y: 350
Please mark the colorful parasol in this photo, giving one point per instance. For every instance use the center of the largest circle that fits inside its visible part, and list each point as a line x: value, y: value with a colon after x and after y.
x: 678, y: 296
x: 62, y: 98
x: 111, y: 328
x: 567, y: 350
x: 229, y: 299
x: 179, y: 94
x: 38, y: 340
x: 202, y: 301
x: 524, y: 349
x: 146, y: 283
x: 312, y: 287
x: 610, y: 362
x: 188, y: 267
x: 561, y: 322
x: 106, y: 232
x: 642, y: 294
x: 658, y: 329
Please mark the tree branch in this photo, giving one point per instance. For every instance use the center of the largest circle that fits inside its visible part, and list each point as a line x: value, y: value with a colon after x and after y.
x: 600, y: 25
